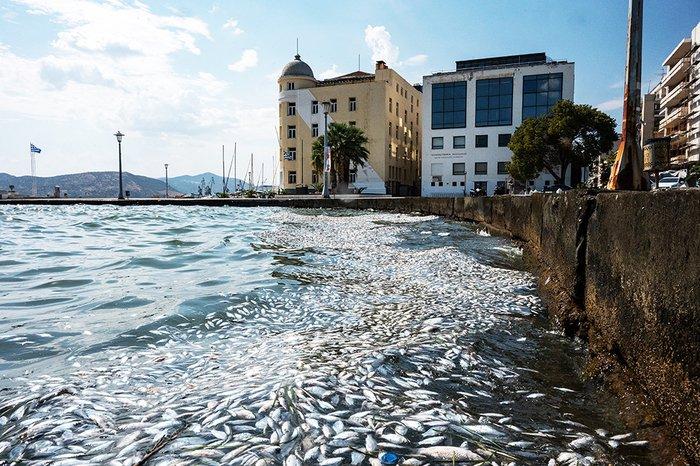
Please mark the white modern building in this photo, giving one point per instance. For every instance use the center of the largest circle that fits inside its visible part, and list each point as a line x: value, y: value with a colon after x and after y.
x: 672, y: 109
x: 471, y: 113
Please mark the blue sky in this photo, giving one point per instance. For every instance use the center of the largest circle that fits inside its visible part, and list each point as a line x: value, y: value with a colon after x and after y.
x: 181, y: 78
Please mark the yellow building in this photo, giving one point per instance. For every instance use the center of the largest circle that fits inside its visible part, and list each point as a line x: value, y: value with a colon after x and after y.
x: 383, y: 104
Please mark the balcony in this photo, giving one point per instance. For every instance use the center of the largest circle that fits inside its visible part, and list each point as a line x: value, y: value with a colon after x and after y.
x: 674, y: 117
x: 677, y: 73
x: 675, y: 95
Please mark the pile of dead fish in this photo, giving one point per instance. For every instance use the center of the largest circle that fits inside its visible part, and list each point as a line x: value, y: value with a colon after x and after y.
x: 365, y: 346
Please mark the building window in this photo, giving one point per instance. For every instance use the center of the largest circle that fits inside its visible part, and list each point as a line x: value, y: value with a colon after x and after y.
x: 352, y: 104
x: 494, y: 102
x: 291, y: 132
x: 459, y: 142
x: 547, y: 182
x: 454, y: 183
x: 397, y: 109
x: 449, y: 105
x: 458, y: 168
x: 314, y: 130
x: 290, y: 86
x: 334, y: 105
x: 291, y: 153
x: 291, y: 108
x: 436, y: 172
x: 292, y: 177
x: 314, y: 177
x: 353, y: 176
x: 503, y: 140
x: 352, y: 123
x: 389, y: 129
x: 482, y: 185
x: 314, y: 107
x: 480, y: 168
x: 481, y: 140
x: 391, y: 106
x: 540, y: 93
x: 438, y: 143
x: 397, y: 87
x: 503, y: 168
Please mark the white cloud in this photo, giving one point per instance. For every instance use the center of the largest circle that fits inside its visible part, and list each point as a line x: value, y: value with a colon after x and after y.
x: 249, y: 59
x: 118, y: 29
x: 331, y: 72
x: 378, y: 40
x: 232, y: 24
x: 415, y: 60
x: 618, y: 85
x: 610, y: 105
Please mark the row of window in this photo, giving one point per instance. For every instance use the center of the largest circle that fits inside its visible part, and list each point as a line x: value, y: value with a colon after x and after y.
x: 482, y: 185
x: 460, y: 142
x: 460, y: 168
x: 292, y: 130
x: 292, y: 177
x: 494, y: 100
x: 352, y: 106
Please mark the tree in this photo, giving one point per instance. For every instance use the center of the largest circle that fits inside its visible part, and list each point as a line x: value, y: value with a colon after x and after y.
x: 348, y: 146
x: 569, y: 135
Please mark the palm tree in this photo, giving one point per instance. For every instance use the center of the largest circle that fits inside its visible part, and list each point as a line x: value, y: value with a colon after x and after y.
x: 347, y: 147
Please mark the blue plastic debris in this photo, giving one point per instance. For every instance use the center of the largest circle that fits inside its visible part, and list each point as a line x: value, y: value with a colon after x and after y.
x: 389, y: 458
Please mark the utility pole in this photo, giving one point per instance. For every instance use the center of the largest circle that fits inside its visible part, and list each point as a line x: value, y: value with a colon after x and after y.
x: 627, y: 171
x: 166, y: 180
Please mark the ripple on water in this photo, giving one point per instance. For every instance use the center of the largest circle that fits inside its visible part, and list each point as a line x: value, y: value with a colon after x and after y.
x: 311, y: 337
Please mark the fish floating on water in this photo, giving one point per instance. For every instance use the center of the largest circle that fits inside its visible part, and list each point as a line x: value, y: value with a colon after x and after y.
x: 363, y: 345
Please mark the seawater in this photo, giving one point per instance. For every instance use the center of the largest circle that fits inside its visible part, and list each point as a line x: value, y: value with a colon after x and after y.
x: 200, y: 335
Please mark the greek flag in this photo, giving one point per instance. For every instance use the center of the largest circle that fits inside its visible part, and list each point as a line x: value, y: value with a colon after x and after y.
x: 288, y: 155
x: 34, y: 149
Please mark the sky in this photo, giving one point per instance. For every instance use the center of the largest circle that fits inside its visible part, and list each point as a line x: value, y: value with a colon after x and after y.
x: 182, y: 78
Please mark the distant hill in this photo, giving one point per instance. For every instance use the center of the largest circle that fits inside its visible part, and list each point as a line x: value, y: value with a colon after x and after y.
x: 89, y: 184
x: 190, y: 183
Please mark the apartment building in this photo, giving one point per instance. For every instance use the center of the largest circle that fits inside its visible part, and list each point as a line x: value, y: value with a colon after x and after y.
x: 471, y: 113
x: 672, y: 109
x: 382, y: 103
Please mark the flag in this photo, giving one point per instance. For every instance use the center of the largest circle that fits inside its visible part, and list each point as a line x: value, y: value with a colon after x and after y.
x: 288, y: 155
x: 34, y: 149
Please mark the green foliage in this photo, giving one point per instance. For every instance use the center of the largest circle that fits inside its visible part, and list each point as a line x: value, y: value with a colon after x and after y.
x: 693, y: 175
x: 569, y: 134
x: 348, y: 145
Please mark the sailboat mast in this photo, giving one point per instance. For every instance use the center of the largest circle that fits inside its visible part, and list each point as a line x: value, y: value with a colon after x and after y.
x: 235, y: 180
x: 223, y: 171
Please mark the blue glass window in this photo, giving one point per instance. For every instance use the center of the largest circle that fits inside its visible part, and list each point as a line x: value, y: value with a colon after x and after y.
x: 494, y: 102
x: 540, y: 93
x: 449, y: 105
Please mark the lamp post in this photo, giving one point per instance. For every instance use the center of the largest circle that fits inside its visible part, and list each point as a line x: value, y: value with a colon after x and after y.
x: 166, y: 180
x: 119, y: 136
x: 326, y: 153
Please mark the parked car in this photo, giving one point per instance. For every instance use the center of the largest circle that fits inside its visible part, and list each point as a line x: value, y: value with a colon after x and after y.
x: 671, y: 182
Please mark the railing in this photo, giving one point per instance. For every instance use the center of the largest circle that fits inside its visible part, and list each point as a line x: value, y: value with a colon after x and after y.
x: 669, y: 99
x: 677, y: 114
x: 682, y: 63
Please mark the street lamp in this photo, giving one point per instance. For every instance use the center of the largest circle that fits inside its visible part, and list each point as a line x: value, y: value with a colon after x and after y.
x: 326, y: 152
x: 166, y: 180
x: 119, y: 136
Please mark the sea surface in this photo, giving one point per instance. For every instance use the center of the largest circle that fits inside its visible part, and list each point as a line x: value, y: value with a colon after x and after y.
x: 261, y: 336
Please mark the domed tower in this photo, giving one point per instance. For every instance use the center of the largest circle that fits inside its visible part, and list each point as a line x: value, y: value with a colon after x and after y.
x: 296, y: 74
x: 295, y: 101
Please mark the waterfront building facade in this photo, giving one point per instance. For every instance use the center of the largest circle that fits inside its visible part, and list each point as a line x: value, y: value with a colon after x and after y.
x: 672, y: 109
x: 471, y: 113
x: 382, y: 103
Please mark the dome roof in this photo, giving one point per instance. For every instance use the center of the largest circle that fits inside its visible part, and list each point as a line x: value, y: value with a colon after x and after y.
x: 297, y: 67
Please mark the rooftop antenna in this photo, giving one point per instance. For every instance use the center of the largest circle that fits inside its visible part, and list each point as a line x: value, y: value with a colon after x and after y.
x: 298, y: 48
x: 359, y: 68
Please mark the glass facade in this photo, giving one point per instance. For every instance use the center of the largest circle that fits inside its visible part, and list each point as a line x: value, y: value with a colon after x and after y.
x: 540, y: 93
x: 494, y: 102
x: 449, y: 105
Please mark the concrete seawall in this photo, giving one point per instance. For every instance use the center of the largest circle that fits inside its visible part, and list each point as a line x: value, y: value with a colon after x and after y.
x: 621, y: 270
